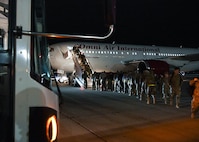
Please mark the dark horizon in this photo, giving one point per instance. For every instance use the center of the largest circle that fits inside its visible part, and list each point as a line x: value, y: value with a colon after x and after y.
x: 163, y: 23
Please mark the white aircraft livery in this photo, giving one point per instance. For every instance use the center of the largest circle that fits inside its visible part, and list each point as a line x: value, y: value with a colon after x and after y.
x: 99, y: 57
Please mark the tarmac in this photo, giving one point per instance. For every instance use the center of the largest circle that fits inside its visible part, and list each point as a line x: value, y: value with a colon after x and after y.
x: 96, y: 116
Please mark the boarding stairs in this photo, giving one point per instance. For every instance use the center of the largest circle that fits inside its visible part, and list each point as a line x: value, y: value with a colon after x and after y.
x: 81, y: 64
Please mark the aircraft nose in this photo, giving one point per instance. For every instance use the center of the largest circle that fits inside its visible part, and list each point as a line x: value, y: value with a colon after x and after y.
x: 65, y: 55
x: 51, y: 49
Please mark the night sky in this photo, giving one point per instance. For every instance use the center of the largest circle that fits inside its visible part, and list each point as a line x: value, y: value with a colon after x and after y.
x: 145, y: 22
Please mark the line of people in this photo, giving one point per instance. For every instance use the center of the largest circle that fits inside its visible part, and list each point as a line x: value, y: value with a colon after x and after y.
x: 145, y: 85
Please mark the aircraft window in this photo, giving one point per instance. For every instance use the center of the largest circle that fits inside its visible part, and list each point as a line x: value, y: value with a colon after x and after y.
x: 122, y: 52
x: 148, y: 54
x: 127, y: 53
x: 110, y: 52
x: 104, y: 52
x: 116, y: 52
x: 113, y: 52
x: 93, y: 52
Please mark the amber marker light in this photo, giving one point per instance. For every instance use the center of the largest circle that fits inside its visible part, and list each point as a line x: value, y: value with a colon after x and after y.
x: 51, y: 128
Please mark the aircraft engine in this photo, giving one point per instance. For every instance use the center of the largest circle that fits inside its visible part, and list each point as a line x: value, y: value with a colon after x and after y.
x: 159, y: 67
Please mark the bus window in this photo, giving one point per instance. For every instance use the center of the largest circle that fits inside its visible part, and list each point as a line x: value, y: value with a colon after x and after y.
x: 4, y: 101
x: 5, y: 84
x: 3, y: 24
x: 40, y: 64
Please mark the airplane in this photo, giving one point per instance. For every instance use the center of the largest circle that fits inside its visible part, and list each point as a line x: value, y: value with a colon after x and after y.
x: 99, y: 57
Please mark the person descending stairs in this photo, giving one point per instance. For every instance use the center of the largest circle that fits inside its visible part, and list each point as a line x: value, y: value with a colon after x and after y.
x: 81, y: 65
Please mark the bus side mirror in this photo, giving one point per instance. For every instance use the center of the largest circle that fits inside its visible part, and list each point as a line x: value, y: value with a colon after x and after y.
x: 110, y: 12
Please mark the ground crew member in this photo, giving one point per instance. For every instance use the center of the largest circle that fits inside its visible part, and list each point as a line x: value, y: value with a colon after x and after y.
x: 195, y: 97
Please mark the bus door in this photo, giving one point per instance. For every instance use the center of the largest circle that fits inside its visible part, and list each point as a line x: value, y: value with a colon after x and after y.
x: 6, y: 75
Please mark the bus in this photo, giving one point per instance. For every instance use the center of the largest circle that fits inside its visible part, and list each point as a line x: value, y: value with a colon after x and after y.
x: 29, y: 109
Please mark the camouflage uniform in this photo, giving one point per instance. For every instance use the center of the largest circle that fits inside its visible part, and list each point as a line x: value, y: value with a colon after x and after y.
x: 166, y: 89
x: 151, y: 87
x: 176, y: 83
x: 195, y: 96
